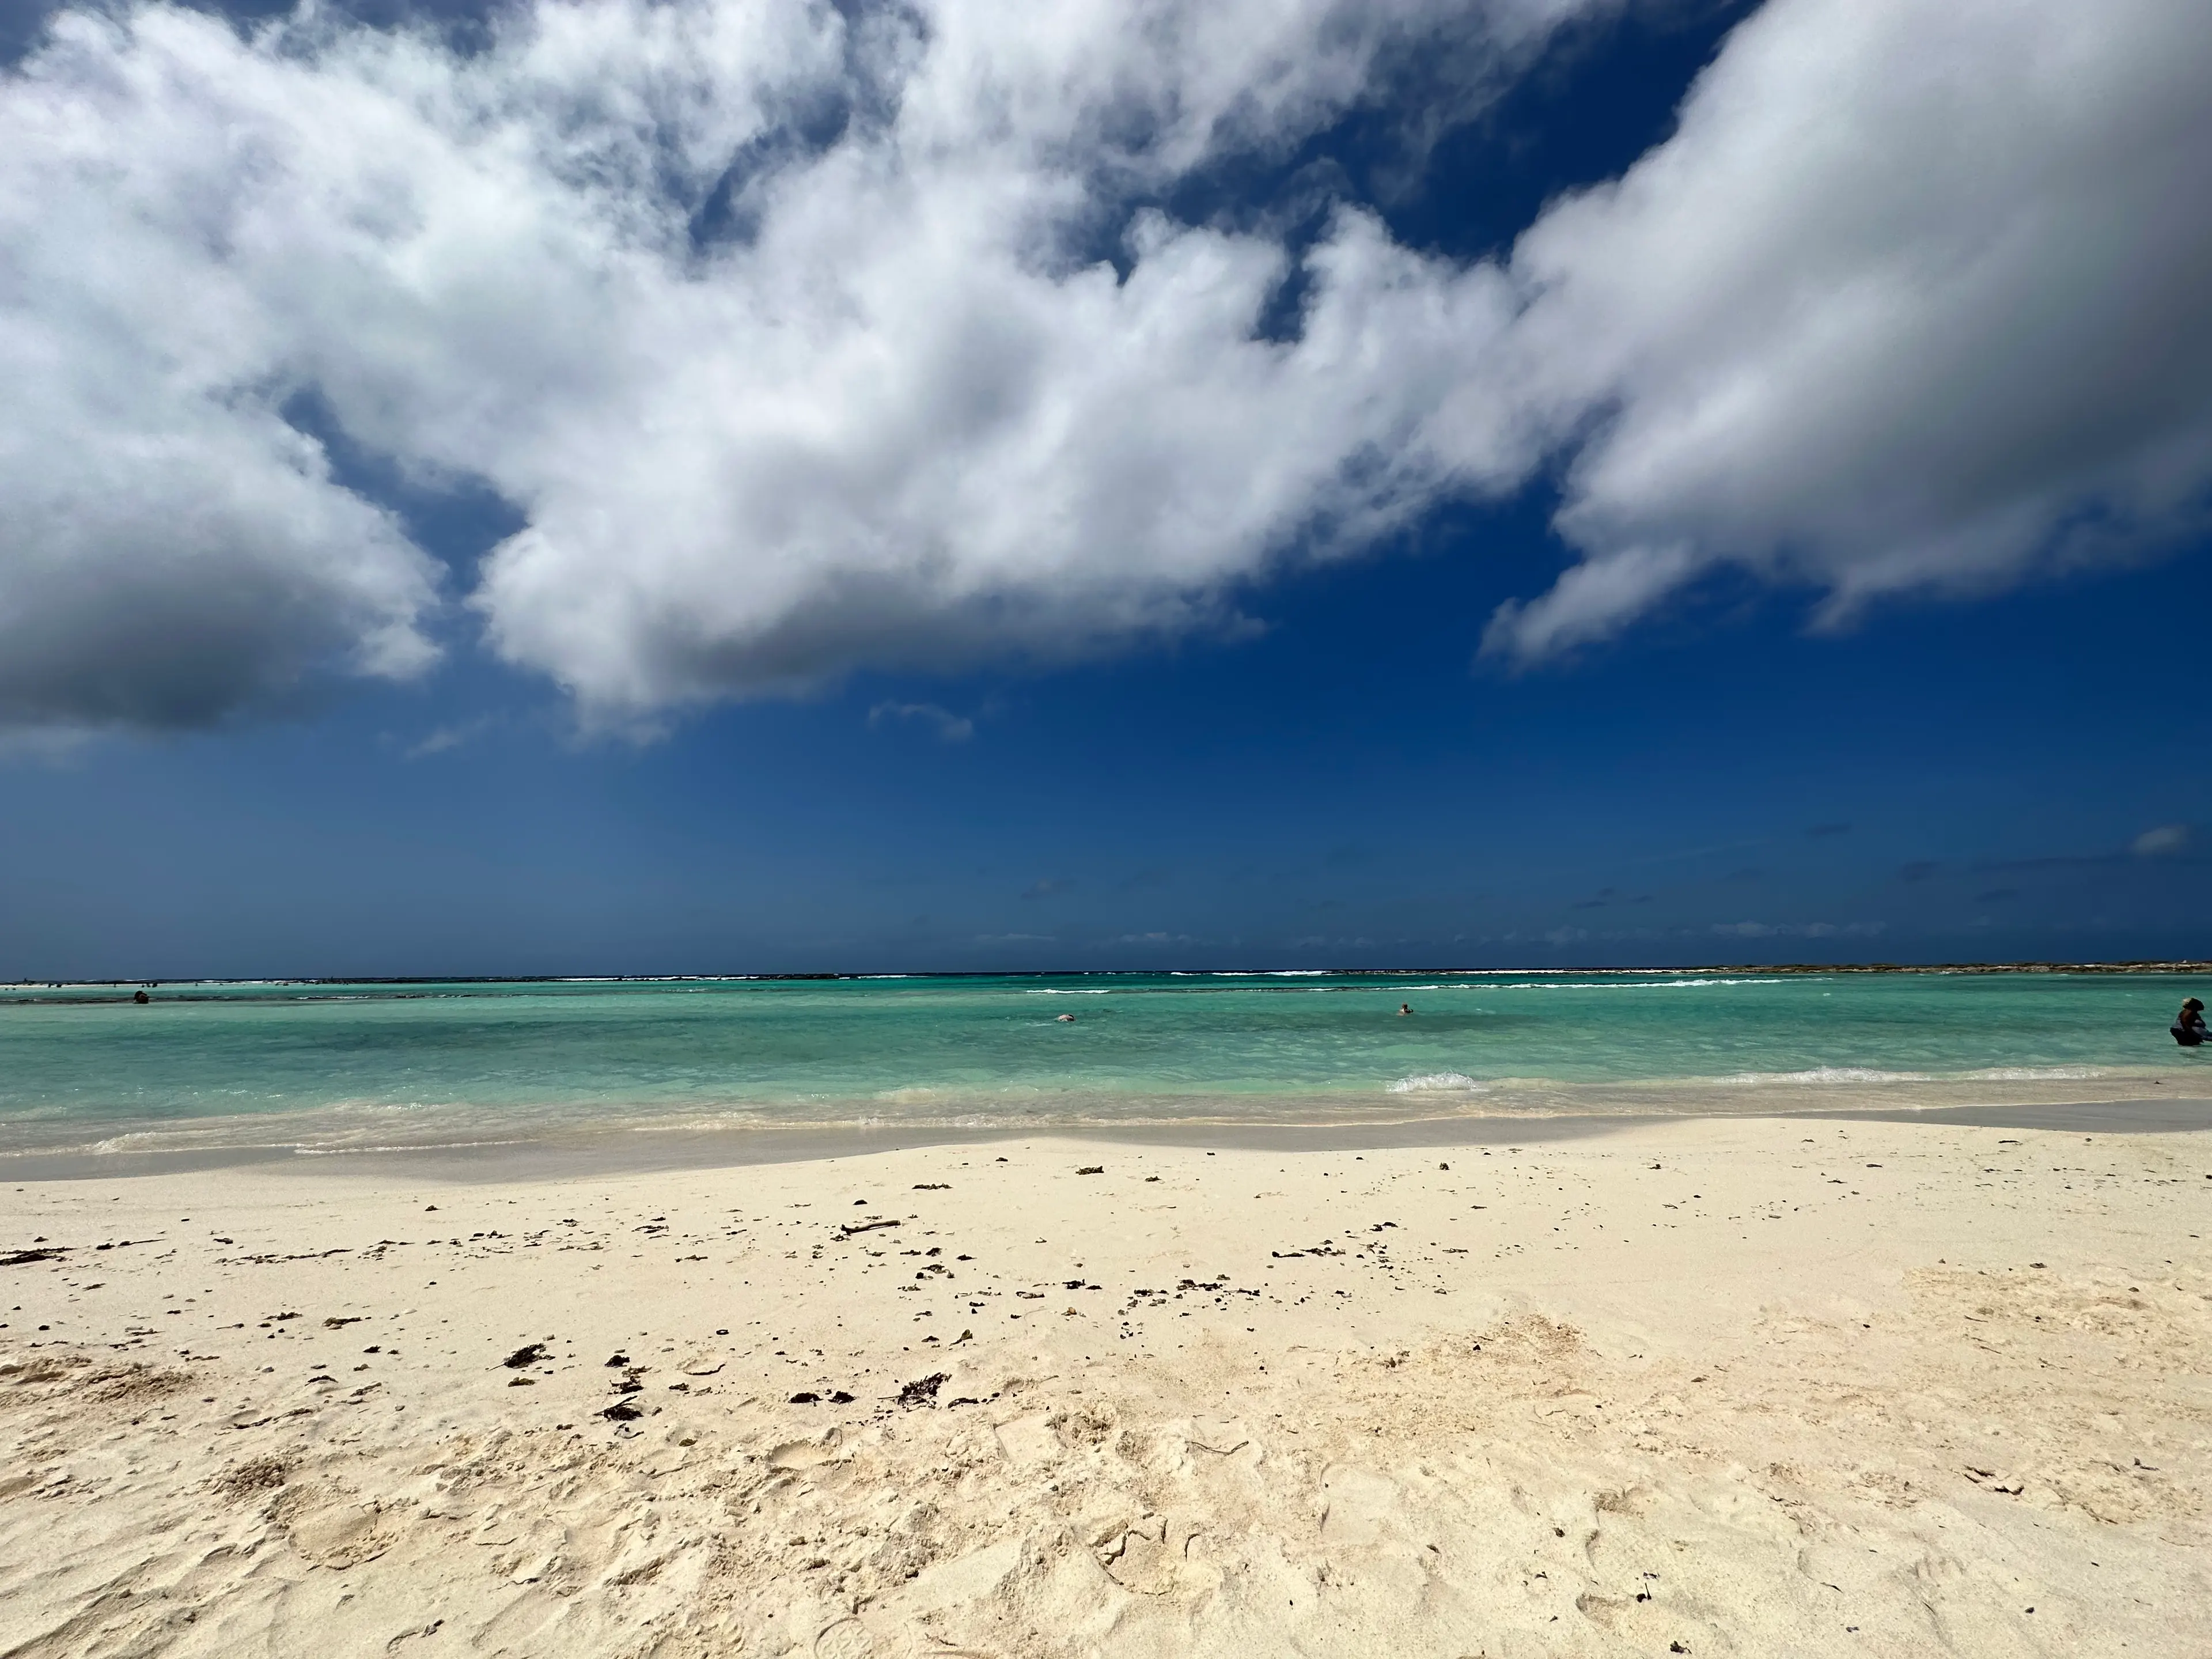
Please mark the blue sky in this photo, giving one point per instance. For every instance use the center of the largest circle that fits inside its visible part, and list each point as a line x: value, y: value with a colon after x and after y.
x: 1581, y: 683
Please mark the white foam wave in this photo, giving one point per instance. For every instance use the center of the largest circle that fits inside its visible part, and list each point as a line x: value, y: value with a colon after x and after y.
x: 2036, y: 1073
x: 1827, y: 1075
x: 1617, y: 985
x: 1429, y: 1083
x: 930, y: 1094
x: 403, y: 1147
x: 141, y: 1141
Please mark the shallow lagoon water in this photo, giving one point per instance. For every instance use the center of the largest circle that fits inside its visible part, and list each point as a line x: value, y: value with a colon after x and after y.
x: 333, y: 1068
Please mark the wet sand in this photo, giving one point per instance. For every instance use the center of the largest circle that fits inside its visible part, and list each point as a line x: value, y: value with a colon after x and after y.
x: 1788, y: 1384
x: 585, y: 1155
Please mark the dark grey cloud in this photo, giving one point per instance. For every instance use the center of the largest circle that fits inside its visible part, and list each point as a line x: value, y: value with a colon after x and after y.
x: 137, y: 650
x: 186, y: 562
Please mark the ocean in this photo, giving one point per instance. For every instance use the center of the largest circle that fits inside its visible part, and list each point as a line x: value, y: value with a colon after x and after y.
x: 269, y: 1067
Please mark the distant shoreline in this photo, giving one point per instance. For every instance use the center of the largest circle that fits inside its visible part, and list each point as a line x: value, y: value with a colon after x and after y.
x: 2187, y: 965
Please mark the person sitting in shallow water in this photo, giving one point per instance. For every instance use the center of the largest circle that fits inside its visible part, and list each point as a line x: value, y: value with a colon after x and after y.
x: 2189, y: 1028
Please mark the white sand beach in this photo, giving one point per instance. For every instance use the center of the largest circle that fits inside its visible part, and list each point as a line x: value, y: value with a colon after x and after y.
x: 1710, y: 1387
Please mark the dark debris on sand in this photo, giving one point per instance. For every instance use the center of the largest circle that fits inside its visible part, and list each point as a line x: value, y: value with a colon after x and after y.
x: 923, y: 1390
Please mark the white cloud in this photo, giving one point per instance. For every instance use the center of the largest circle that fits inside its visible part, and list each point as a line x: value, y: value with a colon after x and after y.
x: 790, y: 331
x: 445, y: 739
x: 948, y: 727
x: 1914, y: 300
x: 900, y: 411
x: 1799, y: 929
x: 2157, y: 843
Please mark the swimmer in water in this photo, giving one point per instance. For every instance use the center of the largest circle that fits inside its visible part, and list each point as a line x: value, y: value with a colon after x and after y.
x: 2187, y: 1027
x: 1404, y: 1009
x: 1067, y: 1019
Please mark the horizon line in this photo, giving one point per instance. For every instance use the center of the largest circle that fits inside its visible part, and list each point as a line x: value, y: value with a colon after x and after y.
x: 2131, y: 965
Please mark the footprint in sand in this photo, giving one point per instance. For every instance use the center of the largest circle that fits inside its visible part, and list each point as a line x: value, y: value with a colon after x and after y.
x: 1360, y: 1507
x: 335, y: 1533
x: 804, y: 1454
x: 1029, y: 1439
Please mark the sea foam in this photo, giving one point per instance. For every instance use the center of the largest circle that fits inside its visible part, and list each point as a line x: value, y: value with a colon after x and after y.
x: 1824, y: 1074
x: 1428, y: 1083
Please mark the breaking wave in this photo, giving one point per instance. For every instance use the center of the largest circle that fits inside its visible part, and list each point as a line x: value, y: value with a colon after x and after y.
x: 1436, y: 1082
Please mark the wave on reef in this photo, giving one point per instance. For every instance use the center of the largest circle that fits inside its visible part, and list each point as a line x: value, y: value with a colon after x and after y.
x: 1429, y: 1083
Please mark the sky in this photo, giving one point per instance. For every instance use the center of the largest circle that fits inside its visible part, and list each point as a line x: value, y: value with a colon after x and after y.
x: 584, y: 486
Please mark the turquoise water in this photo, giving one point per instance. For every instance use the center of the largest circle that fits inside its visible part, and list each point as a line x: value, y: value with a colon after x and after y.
x: 323, y: 1067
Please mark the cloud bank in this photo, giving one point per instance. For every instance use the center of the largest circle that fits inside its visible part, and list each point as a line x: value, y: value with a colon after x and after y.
x: 1913, y: 299
x: 803, y: 338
